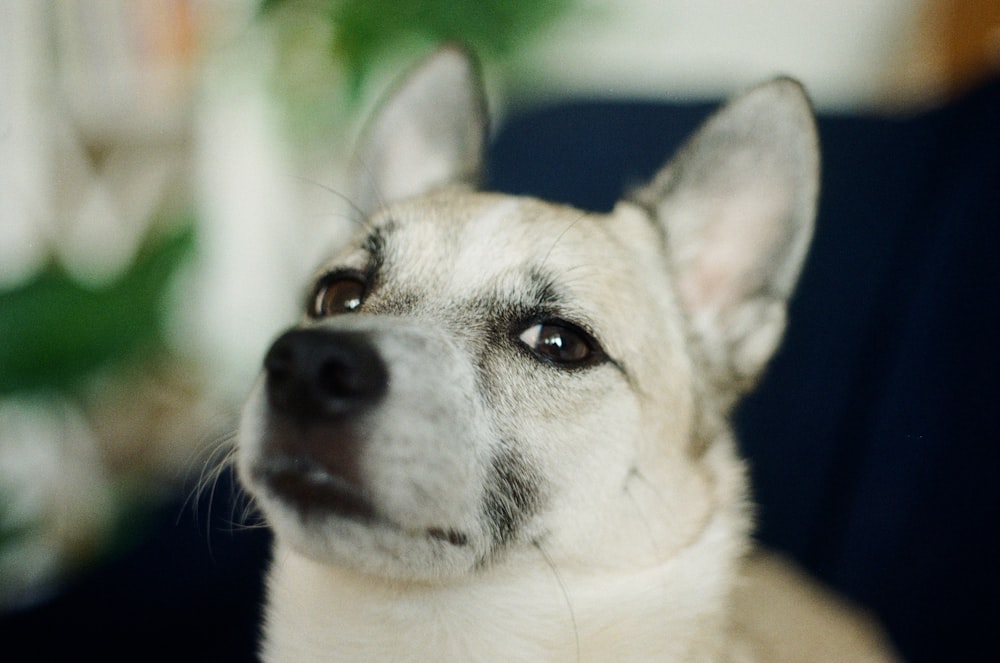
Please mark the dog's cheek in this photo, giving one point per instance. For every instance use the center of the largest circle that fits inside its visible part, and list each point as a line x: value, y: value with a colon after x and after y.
x: 574, y: 438
x: 514, y: 492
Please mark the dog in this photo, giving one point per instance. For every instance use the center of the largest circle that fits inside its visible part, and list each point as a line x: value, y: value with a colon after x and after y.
x: 499, y: 432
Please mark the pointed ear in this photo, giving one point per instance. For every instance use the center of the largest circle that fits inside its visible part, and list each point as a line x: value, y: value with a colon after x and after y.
x: 431, y: 131
x: 737, y: 205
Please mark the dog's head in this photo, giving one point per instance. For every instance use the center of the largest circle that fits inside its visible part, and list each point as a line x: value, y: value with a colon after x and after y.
x: 480, y: 376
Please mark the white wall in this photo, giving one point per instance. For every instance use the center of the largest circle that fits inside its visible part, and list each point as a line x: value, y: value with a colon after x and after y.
x: 843, y: 50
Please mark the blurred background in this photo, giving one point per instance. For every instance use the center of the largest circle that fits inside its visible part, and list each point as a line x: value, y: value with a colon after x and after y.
x: 162, y: 164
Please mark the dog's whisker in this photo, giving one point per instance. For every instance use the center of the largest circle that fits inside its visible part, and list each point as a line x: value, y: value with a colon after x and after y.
x: 212, y: 459
x: 358, y: 218
x: 249, y: 517
x: 562, y: 234
x: 374, y: 182
x: 219, y: 459
x: 656, y: 547
x: 562, y: 589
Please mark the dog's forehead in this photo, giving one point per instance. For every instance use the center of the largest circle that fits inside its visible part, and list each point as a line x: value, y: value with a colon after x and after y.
x: 465, y: 241
x: 492, y: 233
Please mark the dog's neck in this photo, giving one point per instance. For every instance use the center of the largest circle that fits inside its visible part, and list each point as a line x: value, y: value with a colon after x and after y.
x: 526, y: 608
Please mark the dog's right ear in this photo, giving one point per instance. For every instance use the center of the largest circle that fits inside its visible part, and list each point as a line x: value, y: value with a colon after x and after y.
x: 737, y: 206
x: 431, y: 131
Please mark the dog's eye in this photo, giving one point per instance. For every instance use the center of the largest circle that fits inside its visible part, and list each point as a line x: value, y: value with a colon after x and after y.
x: 335, y: 294
x: 560, y: 342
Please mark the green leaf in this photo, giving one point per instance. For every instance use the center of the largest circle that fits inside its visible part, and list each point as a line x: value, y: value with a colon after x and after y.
x: 54, y: 331
x: 365, y: 31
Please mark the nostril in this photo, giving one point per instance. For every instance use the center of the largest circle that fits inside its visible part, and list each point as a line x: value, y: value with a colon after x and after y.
x: 280, y: 361
x: 281, y: 367
x: 320, y: 374
x: 336, y: 378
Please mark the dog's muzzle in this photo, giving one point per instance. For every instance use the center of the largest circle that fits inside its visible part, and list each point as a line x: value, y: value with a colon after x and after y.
x: 317, y: 383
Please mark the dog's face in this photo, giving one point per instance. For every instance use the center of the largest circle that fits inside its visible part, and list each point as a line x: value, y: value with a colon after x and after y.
x: 449, y: 395
x: 479, y: 377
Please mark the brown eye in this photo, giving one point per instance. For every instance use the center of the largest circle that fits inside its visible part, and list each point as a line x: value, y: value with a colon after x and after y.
x: 561, y: 343
x: 335, y: 295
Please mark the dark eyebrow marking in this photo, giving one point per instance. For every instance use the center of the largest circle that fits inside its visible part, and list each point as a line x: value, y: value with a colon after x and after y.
x: 541, y: 297
x: 374, y: 245
x: 544, y: 291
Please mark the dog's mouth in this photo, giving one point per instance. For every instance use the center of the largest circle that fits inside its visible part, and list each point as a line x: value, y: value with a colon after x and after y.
x: 312, y: 489
x: 315, y: 492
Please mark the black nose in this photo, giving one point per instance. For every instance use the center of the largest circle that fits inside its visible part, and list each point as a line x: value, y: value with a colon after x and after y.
x: 318, y: 374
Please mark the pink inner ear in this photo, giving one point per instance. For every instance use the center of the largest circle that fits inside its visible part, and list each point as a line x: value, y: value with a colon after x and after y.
x: 737, y: 235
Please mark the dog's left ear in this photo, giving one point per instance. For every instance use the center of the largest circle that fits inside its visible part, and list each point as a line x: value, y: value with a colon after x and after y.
x: 431, y: 131
x: 737, y: 205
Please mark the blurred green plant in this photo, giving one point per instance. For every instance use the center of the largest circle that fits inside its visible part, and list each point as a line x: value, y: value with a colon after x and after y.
x: 55, y: 331
x: 365, y: 31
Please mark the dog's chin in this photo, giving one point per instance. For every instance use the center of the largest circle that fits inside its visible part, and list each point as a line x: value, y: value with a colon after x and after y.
x: 324, y: 518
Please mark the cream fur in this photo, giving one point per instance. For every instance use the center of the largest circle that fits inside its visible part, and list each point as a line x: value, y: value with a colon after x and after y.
x: 517, y: 509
